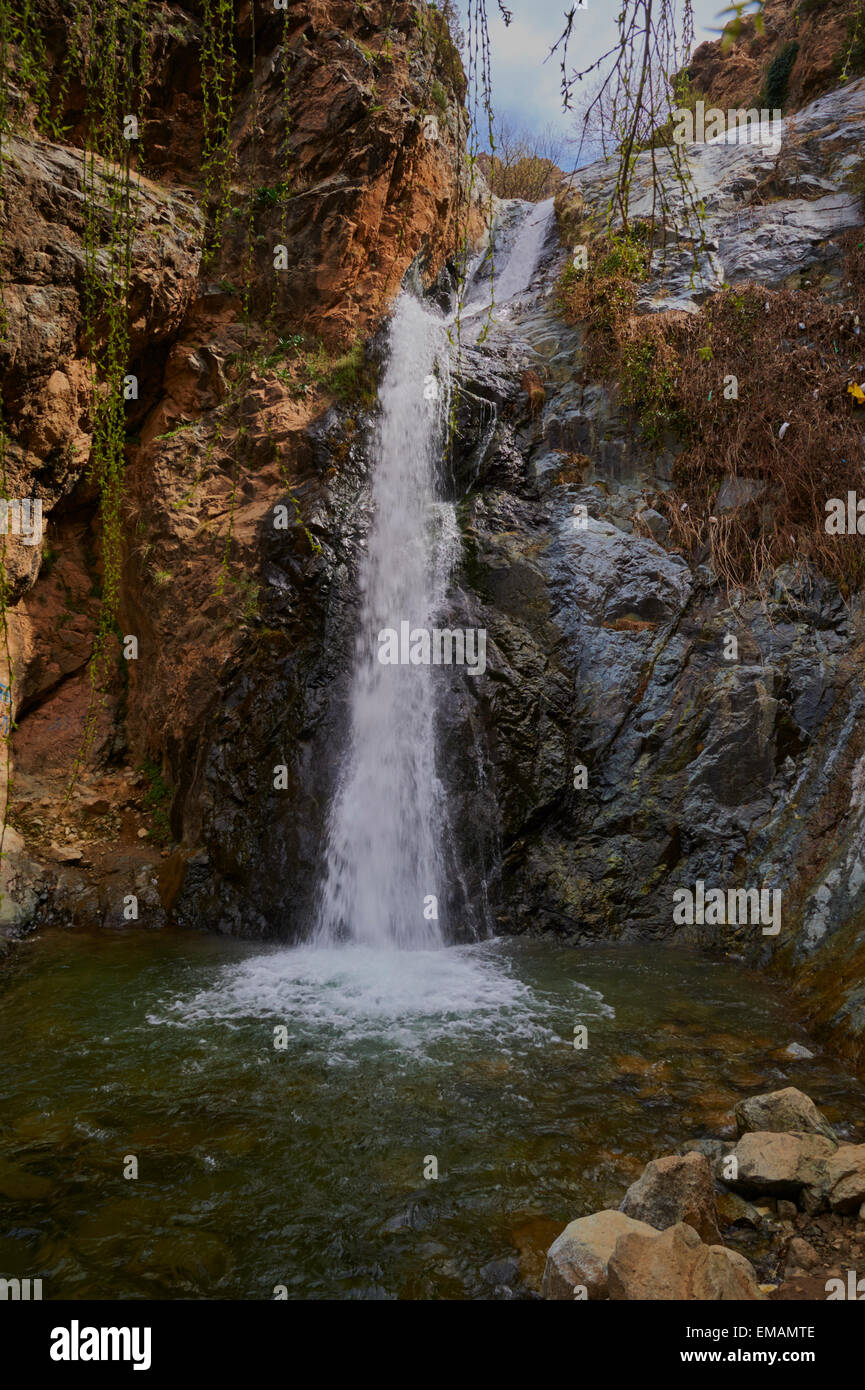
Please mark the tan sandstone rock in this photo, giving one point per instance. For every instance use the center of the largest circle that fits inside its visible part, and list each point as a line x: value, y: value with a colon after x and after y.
x: 675, y: 1189
x: 788, y: 1111
x: 675, y: 1265
x: 581, y: 1252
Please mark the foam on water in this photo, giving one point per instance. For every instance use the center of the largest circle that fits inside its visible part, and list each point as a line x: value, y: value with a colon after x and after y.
x: 355, y: 996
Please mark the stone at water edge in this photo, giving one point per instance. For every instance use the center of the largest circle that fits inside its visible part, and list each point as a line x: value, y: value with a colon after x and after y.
x: 675, y: 1265
x: 845, y: 1178
x: 788, y: 1111
x: 672, y: 1190
x: 581, y: 1252
x: 781, y: 1164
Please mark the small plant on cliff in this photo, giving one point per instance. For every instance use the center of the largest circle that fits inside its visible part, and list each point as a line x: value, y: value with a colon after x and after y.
x: 272, y: 196
x: 851, y: 61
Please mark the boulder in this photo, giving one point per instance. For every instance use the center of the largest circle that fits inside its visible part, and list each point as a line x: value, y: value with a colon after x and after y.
x: 782, y: 1112
x: 672, y: 1190
x: 675, y: 1265
x: 581, y: 1252
x: 781, y: 1164
x: 845, y: 1178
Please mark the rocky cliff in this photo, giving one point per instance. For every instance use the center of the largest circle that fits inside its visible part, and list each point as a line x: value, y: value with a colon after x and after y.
x: 801, y: 49
x: 634, y: 749
x: 327, y: 137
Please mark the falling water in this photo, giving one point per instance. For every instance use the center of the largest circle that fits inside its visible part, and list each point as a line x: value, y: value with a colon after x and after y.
x: 385, y: 861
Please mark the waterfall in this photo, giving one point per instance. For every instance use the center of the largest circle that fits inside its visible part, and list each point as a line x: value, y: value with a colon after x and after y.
x: 384, y: 861
x: 384, y: 857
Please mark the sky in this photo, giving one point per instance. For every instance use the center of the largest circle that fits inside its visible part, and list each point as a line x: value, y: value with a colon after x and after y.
x: 527, y: 89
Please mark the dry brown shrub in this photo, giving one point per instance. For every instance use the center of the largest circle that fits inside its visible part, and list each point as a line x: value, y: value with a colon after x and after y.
x: 672, y: 368
x: 786, y: 374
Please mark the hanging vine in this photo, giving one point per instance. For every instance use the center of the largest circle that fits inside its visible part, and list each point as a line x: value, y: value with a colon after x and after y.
x: 116, y: 72
x: 218, y: 65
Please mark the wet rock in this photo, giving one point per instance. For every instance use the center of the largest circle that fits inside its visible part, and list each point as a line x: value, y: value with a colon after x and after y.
x: 673, y: 1190
x: 657, y: 525
x: 786, y: 1111
x: 713, y: 1149
x: 581, y: 1253
x: 746, y: 239
x: 500, y: 1273
x: 676, y: 1265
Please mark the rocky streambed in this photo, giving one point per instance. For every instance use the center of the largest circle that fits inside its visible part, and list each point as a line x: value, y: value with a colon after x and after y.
x: 788, y: 1194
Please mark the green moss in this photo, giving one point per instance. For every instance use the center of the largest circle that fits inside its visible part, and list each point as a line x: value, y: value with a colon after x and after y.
x: 49, y: 559
x: 778, y: 76
x: 157, y: 800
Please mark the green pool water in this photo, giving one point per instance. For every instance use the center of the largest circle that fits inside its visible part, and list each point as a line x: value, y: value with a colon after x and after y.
x: 304, y: 1166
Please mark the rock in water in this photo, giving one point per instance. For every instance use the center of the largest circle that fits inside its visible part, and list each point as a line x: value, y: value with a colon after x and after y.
x: 782, y: 1112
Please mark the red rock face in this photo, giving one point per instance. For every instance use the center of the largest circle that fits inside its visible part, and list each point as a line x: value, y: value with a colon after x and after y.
x: 346, y: 138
